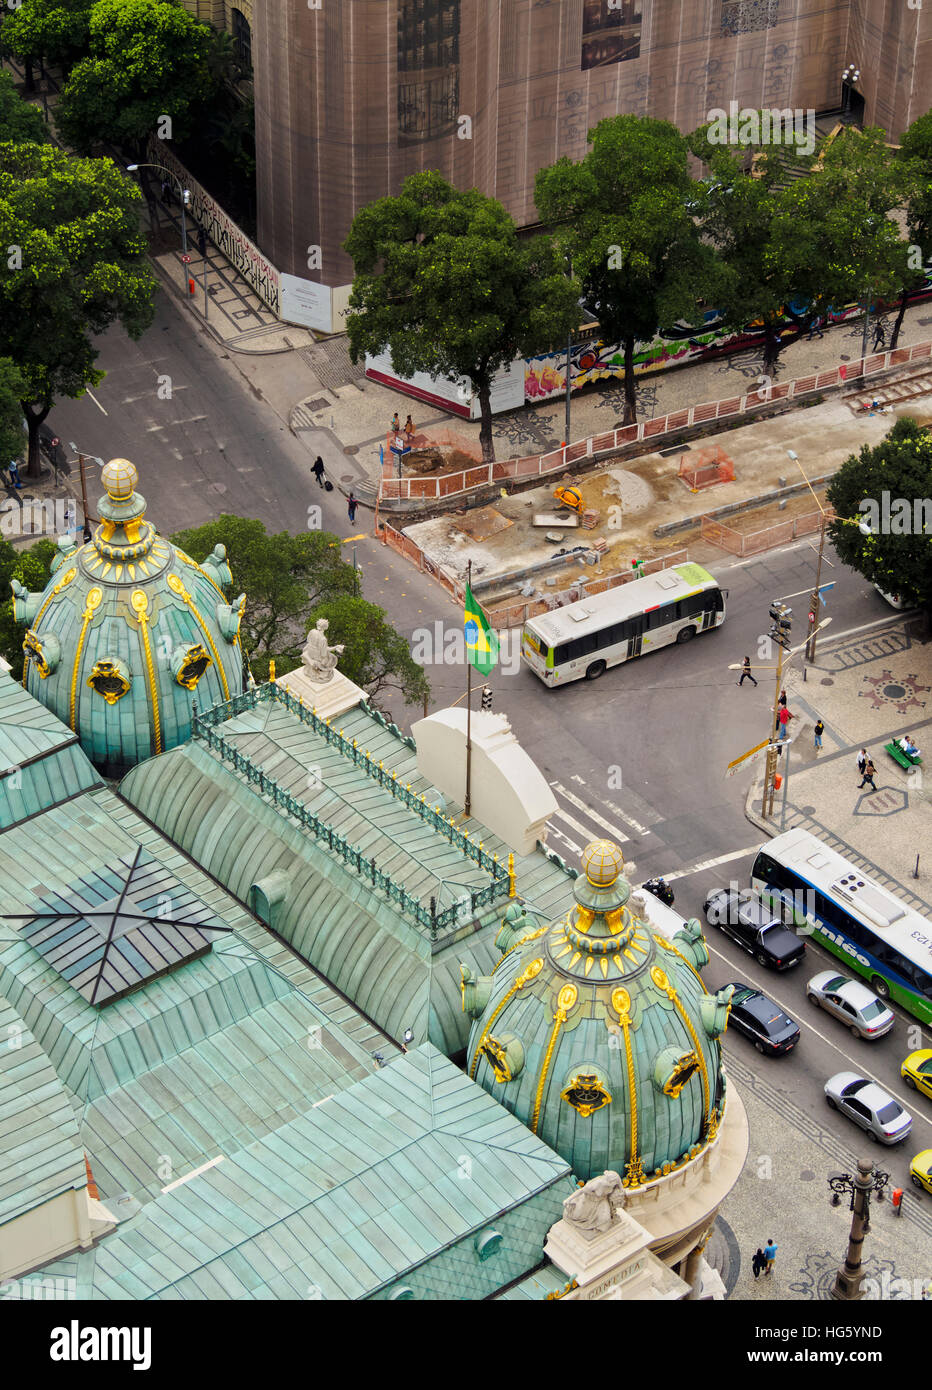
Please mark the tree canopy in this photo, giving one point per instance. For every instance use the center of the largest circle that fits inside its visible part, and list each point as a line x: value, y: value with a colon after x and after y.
x: 147, y: 59
x: 55, y: 30
x: 446, y: 284
x: 20, y: 121
x: 32, y: 567
x: 623, y: 215
x: 376, y: 657
x: 12, y: 390
x: 888, y: 485
x: 75, y: 263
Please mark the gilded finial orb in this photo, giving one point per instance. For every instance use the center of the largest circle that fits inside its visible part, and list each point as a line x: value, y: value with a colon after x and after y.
x: 119, y: 477
x: 603, y: 862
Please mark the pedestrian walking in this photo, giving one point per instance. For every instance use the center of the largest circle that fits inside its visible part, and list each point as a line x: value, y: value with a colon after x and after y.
x: 409, y: 427
x: 14, y: 473
x: 351, y: 505
x: 880, y: 337
x: 869, y: 774
x: 318, y: 470
x: 819, y: 731
x: 746, y: 672
x: 782, y: 700
x: 815, y: 327
x: 862, y: 762
x: 770, y: 1254
x: 784, y: 721
x: 396, y: 424
x: 758, y: 1263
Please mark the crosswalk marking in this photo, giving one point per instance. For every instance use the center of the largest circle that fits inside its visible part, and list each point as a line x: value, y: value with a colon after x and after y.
x: 574, y: 800
x: 713, y: 863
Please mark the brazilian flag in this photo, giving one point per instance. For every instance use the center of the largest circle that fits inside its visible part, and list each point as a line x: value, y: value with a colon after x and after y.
x: 481, y: 642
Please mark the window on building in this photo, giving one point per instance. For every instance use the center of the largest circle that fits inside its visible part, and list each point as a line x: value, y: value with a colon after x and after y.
x: 242, y: 35
x: 428, y: 67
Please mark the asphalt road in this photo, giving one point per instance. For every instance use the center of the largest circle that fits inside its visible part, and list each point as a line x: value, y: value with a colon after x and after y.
x: 638, y: 755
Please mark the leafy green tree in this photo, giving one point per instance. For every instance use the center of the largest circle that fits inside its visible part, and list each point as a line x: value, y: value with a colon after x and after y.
x: 375, y: 656
x: 75, y: 263
x: 146, y: 59
x: 282, y: 576
x: 624, y: 217
x: 446, y: 284
x: 55, y: 30
x: 31, y: 567
x: 20, y: 121
x: 12, y: 390
x: 916, y: 151
x: 793, y: 246
x: 898, y: 555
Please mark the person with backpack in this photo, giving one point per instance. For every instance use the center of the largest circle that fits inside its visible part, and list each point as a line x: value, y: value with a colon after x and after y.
x: 819, y: 731
x: 318, y: 470
x: 758, y: 1263
x: 351, y: 505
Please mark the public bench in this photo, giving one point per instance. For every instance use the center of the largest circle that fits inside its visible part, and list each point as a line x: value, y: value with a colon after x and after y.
x: 899, y: 756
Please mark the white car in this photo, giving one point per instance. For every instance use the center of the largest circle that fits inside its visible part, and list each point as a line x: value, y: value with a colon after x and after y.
x: 869, y: 1106
x: 894, y: 600
x: 855, y: 1004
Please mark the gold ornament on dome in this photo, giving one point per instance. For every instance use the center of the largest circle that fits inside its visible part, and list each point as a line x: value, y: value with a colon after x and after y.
x: 505, y: 1056
x: 603, y: 861
x: 685, y: 1067
x: 195, y: 663
x: 109, y: 680
x: 586, y: 1094
x: 32, y: 646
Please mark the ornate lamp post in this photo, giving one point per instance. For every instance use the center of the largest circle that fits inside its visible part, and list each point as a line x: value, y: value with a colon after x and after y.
x: 848, y: 1279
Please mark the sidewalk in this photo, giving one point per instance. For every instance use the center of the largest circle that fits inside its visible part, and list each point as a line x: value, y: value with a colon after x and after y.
x: 868, y: 689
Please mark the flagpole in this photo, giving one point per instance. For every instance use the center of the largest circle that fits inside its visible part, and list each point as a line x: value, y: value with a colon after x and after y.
x: 468, y: 707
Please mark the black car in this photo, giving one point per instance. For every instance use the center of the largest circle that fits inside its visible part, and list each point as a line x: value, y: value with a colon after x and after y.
x: 764, y: 1022
x: 743, y: 916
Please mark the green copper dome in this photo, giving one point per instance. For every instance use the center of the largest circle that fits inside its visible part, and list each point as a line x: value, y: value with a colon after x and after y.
x: 596, y: 1031
x: 128, y: 632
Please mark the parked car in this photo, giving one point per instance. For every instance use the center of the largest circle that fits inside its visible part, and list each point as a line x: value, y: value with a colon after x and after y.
x: 743, y: 917
x: 869, y: 1106
x: 771, y: 1030
x: 865, y: 1014
x: 920, y: 1170
x: 916, y: 1071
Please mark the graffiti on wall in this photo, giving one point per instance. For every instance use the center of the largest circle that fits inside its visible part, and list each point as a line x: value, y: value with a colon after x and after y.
x: 223, y: 231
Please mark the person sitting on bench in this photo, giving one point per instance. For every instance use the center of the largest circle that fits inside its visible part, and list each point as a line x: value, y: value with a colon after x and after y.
x: 908, y: 747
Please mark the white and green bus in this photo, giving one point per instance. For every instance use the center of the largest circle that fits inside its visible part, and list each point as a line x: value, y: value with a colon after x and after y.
x: 585, y: 638
x: 873, y: 931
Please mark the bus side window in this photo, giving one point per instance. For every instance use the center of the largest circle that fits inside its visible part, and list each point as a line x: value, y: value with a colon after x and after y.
x: 717, y: 601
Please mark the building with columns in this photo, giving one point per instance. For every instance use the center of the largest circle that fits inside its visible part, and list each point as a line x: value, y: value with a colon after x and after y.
x: 354, y: 97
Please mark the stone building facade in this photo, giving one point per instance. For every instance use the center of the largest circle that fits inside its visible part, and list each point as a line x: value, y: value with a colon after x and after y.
x: 352, y: 98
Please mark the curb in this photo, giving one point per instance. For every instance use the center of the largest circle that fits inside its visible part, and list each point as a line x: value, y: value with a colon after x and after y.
x: 167, y: 281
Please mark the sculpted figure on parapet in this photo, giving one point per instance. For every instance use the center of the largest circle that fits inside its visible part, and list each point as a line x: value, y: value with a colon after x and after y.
x: 319, y: 658
x: 593, y: 1207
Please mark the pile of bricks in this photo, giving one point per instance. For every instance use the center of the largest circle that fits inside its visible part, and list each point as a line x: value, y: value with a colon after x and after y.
x: 589, y: 520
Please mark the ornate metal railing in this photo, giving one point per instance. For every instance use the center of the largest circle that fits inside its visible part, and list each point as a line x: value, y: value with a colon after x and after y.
x: 203, y: 726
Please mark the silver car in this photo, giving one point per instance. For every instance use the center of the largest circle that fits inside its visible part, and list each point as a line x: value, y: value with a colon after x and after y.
x: 856, y: 1005
x: 869, y: 1106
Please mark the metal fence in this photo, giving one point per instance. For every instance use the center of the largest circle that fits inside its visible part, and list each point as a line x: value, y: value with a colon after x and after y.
x: 754, y: 542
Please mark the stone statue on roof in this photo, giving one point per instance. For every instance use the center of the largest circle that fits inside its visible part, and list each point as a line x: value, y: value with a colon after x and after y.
x: 592, y: 1209
x: 319, y: 658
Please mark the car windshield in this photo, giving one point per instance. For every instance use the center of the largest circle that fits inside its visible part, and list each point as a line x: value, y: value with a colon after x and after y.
x: 889, y: 1113
x: 854, y: 1087
x: 873, y: 1010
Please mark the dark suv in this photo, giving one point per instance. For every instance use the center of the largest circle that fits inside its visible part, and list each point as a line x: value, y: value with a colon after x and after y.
x: 744, y: 918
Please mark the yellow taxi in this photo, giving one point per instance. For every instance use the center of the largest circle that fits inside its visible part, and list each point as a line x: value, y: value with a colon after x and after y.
x: 920, y: 1170
x: 917, y: 1071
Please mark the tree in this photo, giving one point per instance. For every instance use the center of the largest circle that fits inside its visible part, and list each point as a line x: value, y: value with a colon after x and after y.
x: 790, y: 247
x: 32, y: 568
x: 916, y: 150
x: 888, y: 485
x: 147, y: 60
x: 53, y: 30
x: 12, y: 391
x: 623, y: 215
x: 20, y: 121
x: 444, y: 282
x: 376, y: 657
x: 282, y: 576
x: 75, y: 263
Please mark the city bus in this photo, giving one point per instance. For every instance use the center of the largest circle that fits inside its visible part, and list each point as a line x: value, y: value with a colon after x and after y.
x: 868, y: 927
x: 585, y: 638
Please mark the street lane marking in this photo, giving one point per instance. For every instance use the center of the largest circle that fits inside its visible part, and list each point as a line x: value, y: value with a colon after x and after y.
x: 713, y: 863
x: 593, y: 815
x: 584, y: 830
x: 552, y: 830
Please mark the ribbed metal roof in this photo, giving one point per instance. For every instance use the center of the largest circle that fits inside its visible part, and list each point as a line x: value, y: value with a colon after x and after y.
x: 41, y: 762
x: 363, y: 1196
x: 40, y: 1147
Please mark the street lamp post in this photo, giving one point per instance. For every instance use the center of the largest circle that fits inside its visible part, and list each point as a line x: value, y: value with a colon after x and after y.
x: 184, y: 197
x: 847, y: 1284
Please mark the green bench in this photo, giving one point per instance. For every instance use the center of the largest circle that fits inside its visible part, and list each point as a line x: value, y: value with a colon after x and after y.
x: 904, y: 759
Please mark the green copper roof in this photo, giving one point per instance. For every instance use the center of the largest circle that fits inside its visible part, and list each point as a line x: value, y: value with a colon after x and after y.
x: 368, y: 942
x: 41, y: 762
x: 385, y: 1190
x: 598, y: 1034
x: 128, y: 632
x: 40, y: 1147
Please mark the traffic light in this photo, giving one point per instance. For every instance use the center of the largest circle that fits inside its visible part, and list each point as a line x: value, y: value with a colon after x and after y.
x: 486, y: 697
x: 782, y: 623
